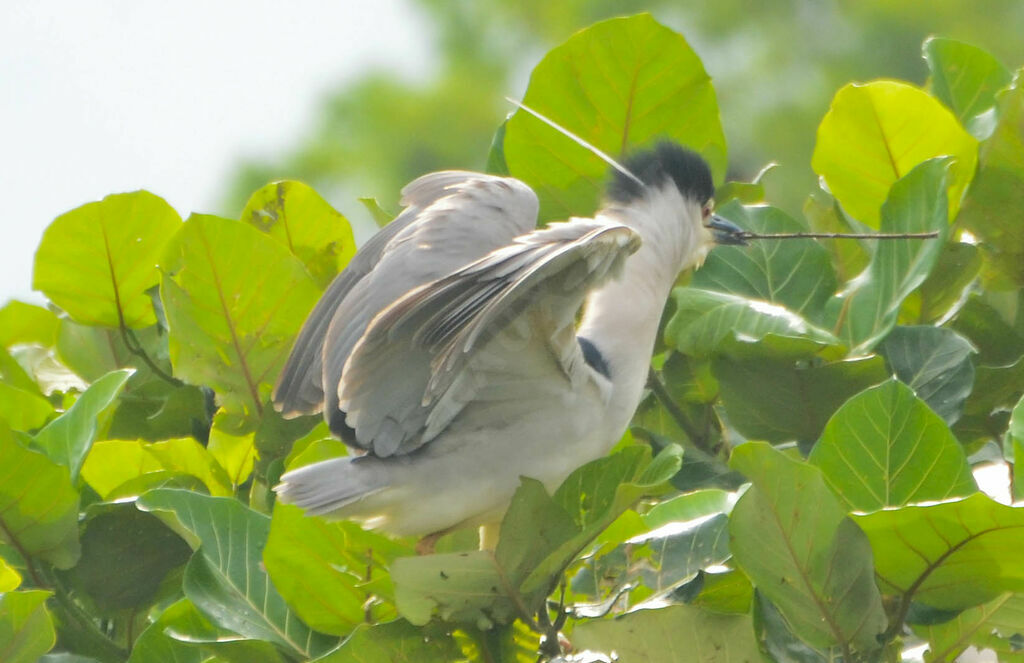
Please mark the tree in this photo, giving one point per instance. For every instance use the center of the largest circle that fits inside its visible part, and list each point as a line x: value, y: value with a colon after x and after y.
x: 797, y: 486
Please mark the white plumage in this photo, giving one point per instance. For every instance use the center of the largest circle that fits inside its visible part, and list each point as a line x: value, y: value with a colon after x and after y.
x: 449, y: 351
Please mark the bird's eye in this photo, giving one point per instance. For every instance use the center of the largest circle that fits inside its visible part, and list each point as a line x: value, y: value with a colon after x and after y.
x: 706, y: 211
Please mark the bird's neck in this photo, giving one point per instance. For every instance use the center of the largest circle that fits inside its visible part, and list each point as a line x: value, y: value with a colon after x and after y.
x: 621, y: 318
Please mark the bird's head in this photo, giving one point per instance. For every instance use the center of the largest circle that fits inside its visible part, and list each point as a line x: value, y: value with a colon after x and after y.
x: 666, y: 194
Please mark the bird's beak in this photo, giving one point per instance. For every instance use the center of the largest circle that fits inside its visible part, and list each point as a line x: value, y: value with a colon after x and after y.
x: 726, y: 232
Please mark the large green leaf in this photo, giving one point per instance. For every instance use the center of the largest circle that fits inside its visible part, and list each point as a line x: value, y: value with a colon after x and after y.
x: 868, y: 308
x: 225, y: 578
x: 98, y: 261
x: 314, y: 232
x: 234, y: 299
x: 791, y: 535
x: 656, y: 635
x: 236, y: 453
x: 125, y: 556
x: 186, y: 632
x: 876, y: 133
x: 23, y: 410
x: 796, y: 275
x: 706, y: 322
x: 9, y: 577
x: 982, y: 626
x: 618, y: 84
x: 38, y: 505
x: 966, y: 79
x: 999, y: 186
x: 952, y: 555
x: 781, y: 399
x: 396, y: 642
x: 26, y: 323
x: 936, y: 363
x: 946, y: 287
x: 886, y: 448
x: 68, y: 438
x: 111, y: 463
x: 26, y: 628
x: 325, y: 570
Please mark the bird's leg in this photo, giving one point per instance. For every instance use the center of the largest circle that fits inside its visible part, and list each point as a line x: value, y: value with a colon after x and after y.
x: 489, y: 536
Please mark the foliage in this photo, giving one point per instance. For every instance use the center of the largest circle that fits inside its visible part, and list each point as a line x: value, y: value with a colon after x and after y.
x: 797, y: 484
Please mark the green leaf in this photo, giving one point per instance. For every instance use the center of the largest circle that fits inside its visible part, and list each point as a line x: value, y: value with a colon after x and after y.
x: 698, y: 504
x: 796, y: 275
x: 27, y: 323
x: 235, y: 299
x: 1003, y: 615
x: 38, y: 505
x: 825, y: 215
x: 235, y: 453
x: 26, y: 628
x: 313, y: 231
x: 183, y: 624
x: 125, y: 556
x: 496, y: 155
x: 111, y: 463
x: 936, y: 363
x: 154, y: 645
x: 876, y: 133
x: 945, y: 288
x: 678, y: 552
x: 23, y: 410
x: 322, y: 568
x: 380, y: 216
x: 655, y: 635
x: 225, y: 578
x: 999, y: 186
x: 396, y: 642
x: 705, y: 322
x: 540, y: 536
x: 867, y: 310
x: 951, y: 556
x: 819, y: 573
x: 9, y: 577
x: 98, y: 261
x: 780, y: 400
x: 618, y: 84
x: 966, y: 79
x: 886, y: 448
x: 68, y: 438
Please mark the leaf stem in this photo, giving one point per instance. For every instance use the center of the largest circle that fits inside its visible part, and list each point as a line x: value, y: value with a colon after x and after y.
x: 660, y: 392
x: 133, y: 345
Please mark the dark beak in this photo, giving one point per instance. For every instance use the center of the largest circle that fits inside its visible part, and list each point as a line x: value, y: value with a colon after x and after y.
x: 726, y: 232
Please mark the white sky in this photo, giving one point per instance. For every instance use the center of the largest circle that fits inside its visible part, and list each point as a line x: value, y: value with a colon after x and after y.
x: 117, y: 95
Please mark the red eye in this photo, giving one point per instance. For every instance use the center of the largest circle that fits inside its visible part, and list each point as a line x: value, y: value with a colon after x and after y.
x: 706, y: 211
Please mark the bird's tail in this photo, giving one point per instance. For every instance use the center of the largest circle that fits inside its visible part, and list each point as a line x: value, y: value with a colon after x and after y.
x: 331, y: 485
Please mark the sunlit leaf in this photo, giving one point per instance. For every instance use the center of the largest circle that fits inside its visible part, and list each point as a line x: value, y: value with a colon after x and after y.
x: 26, y: 323
x: 23, y: 410
x: 1002, y: 616
x: 952, y: 555
x: 225, y: 578
x: 322, y: 568
x: 235, y: 453
x: 819, y: 571
x: 655, y: 635
x: 68, y: 438
x: 111, y: 463
x: 98, y: 261
x: 796, y: 275
x: 886, y: 448
x: 313, y: 231
x: 26, y: 628
x: 235, y: 299
x: 9, y: 578
x: 876, y: 133
x: 868, y: 308
x: 38, y: 505
x: 966, y: 79
x: 936, y: 363
x: 618, y: 84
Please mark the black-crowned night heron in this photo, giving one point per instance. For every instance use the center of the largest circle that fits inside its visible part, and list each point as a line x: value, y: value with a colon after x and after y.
x: 448, y: 352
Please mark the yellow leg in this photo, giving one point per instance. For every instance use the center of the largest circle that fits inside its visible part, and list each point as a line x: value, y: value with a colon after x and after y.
x: 489, y: 536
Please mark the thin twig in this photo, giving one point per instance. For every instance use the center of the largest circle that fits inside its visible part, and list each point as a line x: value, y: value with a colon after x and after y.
x: 661, y: 393
x: 134, y: 347
x: 746, y: 234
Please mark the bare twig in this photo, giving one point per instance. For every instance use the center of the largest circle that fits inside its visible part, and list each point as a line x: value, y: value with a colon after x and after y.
x: 746, y: 234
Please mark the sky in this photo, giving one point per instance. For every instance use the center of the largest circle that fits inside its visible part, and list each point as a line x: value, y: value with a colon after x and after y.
x: 119, y: 95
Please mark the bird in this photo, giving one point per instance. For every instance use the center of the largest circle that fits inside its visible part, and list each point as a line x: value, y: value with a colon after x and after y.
x: 463, y: 348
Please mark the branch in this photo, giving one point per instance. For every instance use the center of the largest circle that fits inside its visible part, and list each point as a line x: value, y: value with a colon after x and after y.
x: 746, y: 234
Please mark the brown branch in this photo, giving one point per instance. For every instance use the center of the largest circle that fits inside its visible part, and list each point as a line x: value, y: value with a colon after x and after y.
x: 746, y: 234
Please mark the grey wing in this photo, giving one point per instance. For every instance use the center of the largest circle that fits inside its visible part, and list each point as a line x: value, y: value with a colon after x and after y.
x: 413, y: 370
x: 451, y: 218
